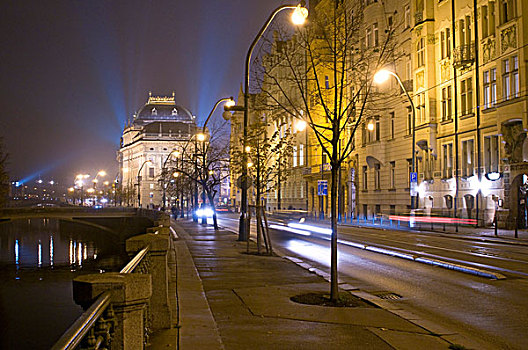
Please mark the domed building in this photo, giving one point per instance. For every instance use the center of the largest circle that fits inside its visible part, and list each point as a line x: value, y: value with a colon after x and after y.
x: 157, y: 129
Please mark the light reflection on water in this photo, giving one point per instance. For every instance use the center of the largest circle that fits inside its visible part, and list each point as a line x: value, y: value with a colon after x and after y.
x: 38, y: 260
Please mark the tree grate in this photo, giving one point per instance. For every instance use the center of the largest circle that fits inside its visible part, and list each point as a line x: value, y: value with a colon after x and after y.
x: 387, y: 295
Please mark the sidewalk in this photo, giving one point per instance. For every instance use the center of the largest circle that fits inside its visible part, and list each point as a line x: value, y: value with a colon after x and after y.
x: 228, y: 299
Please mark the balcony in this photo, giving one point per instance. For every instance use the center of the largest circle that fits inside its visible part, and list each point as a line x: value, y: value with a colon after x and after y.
x: 408, y: 85
x: 464, y: 55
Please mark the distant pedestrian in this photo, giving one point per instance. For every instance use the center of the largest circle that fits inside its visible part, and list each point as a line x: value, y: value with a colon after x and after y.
x: 174, y: 211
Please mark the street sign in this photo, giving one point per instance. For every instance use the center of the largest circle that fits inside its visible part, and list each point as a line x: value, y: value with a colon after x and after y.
x: 414, y: 177
x: 322, y: 187
x: 244, y: 184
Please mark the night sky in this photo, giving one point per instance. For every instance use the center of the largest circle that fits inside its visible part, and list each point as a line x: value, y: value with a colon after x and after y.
x: 72, y: 72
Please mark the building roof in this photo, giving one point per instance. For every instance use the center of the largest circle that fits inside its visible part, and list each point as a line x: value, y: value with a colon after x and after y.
x: 162, y: 108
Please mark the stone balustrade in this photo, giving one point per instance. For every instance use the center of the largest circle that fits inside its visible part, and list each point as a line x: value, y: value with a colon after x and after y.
x: 140, y: 300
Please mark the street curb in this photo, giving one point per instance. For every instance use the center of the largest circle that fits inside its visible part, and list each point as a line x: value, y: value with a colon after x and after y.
x: 428, y: 261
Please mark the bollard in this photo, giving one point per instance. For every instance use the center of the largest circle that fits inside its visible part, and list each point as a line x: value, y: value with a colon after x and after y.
x: 516, y: 228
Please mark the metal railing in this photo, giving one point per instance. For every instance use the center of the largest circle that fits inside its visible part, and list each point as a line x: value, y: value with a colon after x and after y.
x: 464, y: 55
x: 87, y: 323
x: 94, y: 329
x: 136, y: 260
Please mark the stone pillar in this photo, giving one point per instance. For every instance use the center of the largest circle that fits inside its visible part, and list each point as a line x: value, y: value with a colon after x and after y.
x: 130, y: 296
x: 160, y: 310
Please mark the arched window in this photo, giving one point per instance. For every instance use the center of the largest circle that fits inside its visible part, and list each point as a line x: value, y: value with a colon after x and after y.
x: 154, y: 111
x: 174, y: 111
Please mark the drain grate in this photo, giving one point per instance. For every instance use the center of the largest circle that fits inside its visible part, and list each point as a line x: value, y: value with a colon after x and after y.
x: 387, y: 295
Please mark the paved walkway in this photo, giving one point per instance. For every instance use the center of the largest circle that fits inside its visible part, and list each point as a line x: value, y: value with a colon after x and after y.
x: 228, y: 299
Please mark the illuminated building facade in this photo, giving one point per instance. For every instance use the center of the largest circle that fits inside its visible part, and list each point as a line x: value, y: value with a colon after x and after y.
x: 463, y: 64
x: 157, y: 129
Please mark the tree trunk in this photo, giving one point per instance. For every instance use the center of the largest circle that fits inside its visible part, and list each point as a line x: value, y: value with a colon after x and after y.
x: 259, y: 230
x: 333, y: 242
x: 269, y: 247
x: 211, y: 201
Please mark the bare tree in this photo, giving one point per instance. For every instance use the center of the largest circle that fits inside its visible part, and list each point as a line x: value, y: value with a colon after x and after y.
x: 268, y: 151
x: 323, y: 75
x: 209, y: 165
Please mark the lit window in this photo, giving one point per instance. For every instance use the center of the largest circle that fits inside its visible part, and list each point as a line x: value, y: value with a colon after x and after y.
x: 420, y: 52
x: 466, y: 96
x: 491, y: 153
x: 377, y: 176
x: 447, y: 170
x: 446, y: 103
x: 467, y: 158
x: 506, y: 79
x: 393, y: 174
x: 365, y: 178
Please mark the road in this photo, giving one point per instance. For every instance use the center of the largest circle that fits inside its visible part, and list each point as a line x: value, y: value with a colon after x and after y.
x: 492, y: 313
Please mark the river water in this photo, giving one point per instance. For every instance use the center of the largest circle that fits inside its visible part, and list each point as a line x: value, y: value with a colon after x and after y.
x: 38, y: 260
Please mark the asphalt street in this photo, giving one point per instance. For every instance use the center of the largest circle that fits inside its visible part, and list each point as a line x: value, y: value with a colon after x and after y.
x: 488, y: 311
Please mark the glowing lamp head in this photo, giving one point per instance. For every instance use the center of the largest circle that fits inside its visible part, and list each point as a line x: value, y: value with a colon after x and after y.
x: 300, y: 125
x: 90, y: 190
x: 230, y: 103
x: 175, y: 174
x: 106, y: 183
x: 381, y: 76
x: 370, y: 125
x: 249, y: 164
x: 248, y: 149
x: 299, y: 15
x: 101, y: 173
x: 210, y: 172
x: 95, y: 181
x: 200, y: 137
x: 71, y: 189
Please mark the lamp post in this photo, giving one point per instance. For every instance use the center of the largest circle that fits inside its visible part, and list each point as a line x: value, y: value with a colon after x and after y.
x: 299, y: 15
x: 139, y: 181
x: 380, y: 77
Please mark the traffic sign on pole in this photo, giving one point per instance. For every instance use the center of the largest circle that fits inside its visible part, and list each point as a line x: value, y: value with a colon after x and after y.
x: 322, y: 187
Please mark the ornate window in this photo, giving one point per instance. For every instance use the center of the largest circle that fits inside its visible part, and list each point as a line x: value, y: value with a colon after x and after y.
x: 420, y: 52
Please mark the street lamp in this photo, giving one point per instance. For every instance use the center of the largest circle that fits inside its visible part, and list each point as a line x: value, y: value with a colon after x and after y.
x: 380, y: 77
x: 139, y: 180
x: 299, y: 16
